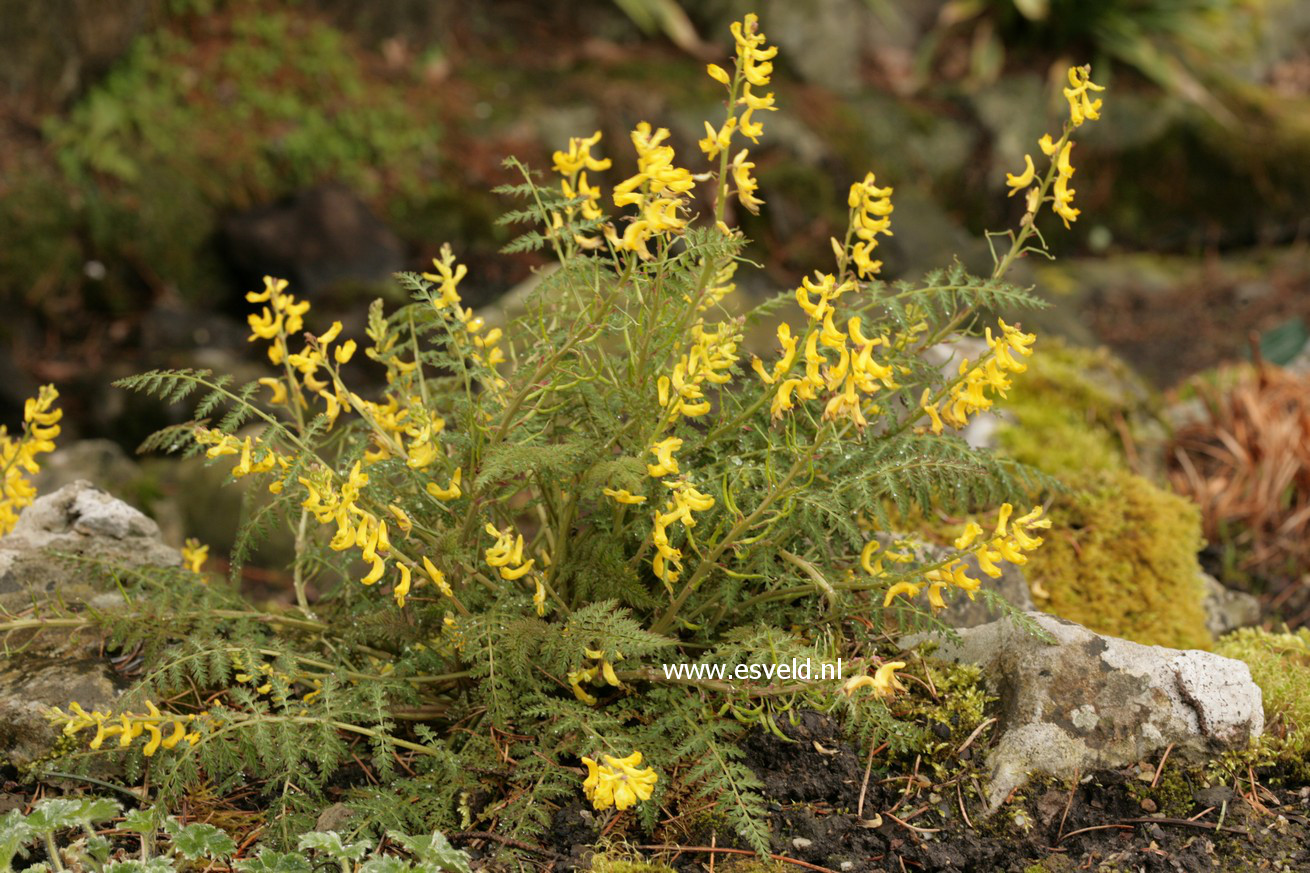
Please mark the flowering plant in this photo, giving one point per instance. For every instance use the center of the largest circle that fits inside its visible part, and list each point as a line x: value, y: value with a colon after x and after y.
x: 557, y: 504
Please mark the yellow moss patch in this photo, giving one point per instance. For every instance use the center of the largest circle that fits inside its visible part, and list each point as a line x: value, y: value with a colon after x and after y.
x: 1280, y: 665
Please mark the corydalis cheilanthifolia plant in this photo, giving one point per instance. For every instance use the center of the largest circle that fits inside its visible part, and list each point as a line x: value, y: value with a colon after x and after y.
x: 605, y: 484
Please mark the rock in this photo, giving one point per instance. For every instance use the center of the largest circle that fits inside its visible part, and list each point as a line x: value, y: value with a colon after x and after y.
x: 1090, y: 702
x: 822, y: 39
x: 321, y: 237
x: 30, y: 685
x: 1227, y: 610
x: 80, y: 520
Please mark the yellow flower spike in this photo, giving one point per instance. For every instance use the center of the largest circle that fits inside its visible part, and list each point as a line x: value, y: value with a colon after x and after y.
x: 1081, y: 106
x: 1024, y: 179
x: 402, y: 587
x: 624, y: 496
x: 908, y: 589
x: 379, y: 567
x: 438, y: 578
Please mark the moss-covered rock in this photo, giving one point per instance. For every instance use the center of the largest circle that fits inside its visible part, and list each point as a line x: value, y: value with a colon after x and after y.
x: 1121, y: 559
x: 1280, y: 665
x: 1070, y: 412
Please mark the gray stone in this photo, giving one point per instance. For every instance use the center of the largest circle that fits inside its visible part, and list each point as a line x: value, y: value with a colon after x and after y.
x: 30, y: 685
x: 78, y: 520
x: 1088, y: 702
x: 1227, y: 610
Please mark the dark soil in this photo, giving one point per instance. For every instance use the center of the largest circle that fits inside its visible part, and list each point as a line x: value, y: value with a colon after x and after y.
x: 1111, y: 820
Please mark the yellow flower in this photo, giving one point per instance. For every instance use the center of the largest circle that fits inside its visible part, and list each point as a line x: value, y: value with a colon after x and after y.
x: 883, y: 682
x: 438, y: 578
x: 402, y: 587
x: 579, y: 157
x: 1024, y: 179
x: 127, y: 726
x: 619, y: 782
x: 716, y: 141
x: 718, y: 74
x: 746, y: 185
x: 194, y: 555
x: 451, y: 491
x: 871, y: 210
x: 1081, y: 106
x: 908, y: 589
x: 623, y: 495
x: 18, y: 455
x: 663, y: 451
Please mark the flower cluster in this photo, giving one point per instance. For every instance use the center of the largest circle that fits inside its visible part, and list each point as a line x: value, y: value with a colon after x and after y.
x: 506, y: 557
x: 1008, y: 542
x: 357, y: 527
x: 711, y: 355
x: 599, y: 673
x: 969, y: 394
x: 128, y: 726
x: 573, y: 166
x: 883, y: 682
x: 854, y: 376
x: 448, y: 303
x: 659, y: 191
x: 194, y: 555
x: 667, y: 563
x: 262, y: 678
x: 754, y: 68
x: 1081, y: 108
x: 254, y: 456
x: 619, y: 782
x: 18, y: 456
x: 871, y: 209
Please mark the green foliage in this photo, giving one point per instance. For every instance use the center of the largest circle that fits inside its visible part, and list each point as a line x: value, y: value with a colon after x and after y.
x: 544, y: 516
x: 213, y: 111
x: 64, y: 825
x: 1121, y: 559
x: 1280, y: 665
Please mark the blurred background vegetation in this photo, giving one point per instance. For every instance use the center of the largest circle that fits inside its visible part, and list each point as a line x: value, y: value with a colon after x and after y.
x: 158, y: 156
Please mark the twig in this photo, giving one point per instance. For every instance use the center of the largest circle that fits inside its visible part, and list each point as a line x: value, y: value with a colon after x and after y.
x: 959, y: 793
x: 868, y: 768
x: 1183, y: 823
x: 1073, y: 789
x: 715, y: 850
x: 1126, y: 827
x: 1160, y: 768
x: 905, y: 824
x: 507, y: 841
x: 973, y: 736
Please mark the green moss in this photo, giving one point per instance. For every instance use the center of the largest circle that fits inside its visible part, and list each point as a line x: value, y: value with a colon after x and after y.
x: 1068, y: 413
x: 1280, y: 665
x: 607, y: 863
x: 1121, y: 559
x: 960, y: 705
